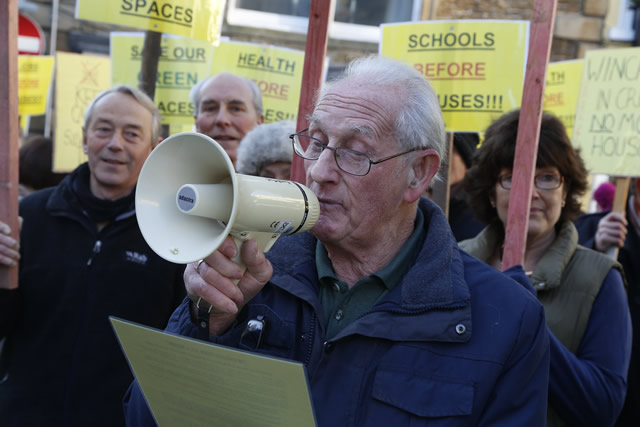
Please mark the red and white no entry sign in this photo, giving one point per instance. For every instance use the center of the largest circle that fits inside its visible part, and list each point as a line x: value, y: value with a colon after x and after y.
x: 30, y: 37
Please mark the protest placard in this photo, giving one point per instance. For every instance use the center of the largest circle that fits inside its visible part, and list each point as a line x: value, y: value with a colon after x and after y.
x: 195, y: 19
x: 276, y: 70
x: 34, y: 81
x: 79, y: 79
x: 476, y: 67
x: 607, y: 125
x: 561, y: 91
x: 182, y: 63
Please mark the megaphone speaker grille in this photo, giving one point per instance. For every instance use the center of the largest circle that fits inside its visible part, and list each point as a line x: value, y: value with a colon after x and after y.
x: 183, y: 158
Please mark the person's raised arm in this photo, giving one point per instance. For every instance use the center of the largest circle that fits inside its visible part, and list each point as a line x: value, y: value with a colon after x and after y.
x: 222, y: 283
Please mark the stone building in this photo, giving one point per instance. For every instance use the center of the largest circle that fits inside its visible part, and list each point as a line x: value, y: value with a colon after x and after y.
x: 580, y: 24
x: 354, y: 29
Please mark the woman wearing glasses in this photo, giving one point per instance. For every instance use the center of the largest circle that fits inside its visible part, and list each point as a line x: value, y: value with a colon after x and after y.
x: 582, y: 291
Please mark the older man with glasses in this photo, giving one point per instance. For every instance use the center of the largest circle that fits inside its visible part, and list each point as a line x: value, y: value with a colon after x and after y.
x: 394, y: 323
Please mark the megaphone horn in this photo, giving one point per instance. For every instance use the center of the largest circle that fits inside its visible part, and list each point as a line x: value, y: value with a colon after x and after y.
x: 189, y: 198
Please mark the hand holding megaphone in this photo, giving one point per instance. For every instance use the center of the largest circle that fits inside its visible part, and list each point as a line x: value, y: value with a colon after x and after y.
x: 189, y: 199
x: 221, y: 287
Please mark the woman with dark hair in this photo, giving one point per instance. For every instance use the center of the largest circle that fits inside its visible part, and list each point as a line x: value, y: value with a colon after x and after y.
x: 581, y: 290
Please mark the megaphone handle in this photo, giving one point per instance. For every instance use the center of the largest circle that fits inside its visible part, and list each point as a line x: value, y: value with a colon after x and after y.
x: 264, y: 240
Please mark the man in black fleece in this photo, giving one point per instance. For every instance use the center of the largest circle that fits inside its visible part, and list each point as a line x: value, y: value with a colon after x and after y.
x: 83, y: 259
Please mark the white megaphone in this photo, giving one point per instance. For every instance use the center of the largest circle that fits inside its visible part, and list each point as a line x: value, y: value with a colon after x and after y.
x: 189, y: 198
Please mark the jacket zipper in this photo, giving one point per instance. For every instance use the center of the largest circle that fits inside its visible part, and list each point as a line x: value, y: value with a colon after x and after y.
x: 95, y: 251
x: 312, y: 331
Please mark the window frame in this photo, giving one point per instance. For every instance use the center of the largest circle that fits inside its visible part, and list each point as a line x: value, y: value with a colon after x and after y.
x: 237, y: 16
x: 623, y: 30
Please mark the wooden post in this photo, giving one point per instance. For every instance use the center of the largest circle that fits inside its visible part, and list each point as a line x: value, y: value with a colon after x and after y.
x: 619, y: 206
x: 9, y: 144
x: 314, y: 53
x: 149, y: 64
x: 524, y: 164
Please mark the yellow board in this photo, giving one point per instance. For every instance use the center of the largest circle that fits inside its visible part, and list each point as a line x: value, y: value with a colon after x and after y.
x: 79, y: 79
x: 195, y: 19
x: 561, y: 91
x: 476, y: 67
x: 277, y: 72
x: 607, y: 126
x: 34, y: 81
x: 182, y: 64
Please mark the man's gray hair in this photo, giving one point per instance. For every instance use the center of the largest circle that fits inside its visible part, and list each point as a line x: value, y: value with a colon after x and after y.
x: 265, y: 144
x: 195, y: 96
x: 419, y: 122
x: 142, y: 98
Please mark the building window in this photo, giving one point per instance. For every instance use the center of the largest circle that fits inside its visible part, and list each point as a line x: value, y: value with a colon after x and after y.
x: 356, y: 20
x: 624, y: 27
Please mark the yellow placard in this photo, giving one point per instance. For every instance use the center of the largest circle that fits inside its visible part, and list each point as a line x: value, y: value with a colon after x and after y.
x: 276, y: 70
x: 476, y: 67
x: 188, y: 382
x: 561, y: 91
x: 79, y: 79
x: 34, y: 81
x: 607, y: 126
x: 195, y: 19
x: 182, y: 64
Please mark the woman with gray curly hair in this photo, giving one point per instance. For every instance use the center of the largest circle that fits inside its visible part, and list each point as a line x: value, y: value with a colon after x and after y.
x: 267, y: 151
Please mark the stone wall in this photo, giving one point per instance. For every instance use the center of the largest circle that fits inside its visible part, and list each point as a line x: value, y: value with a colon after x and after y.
x: 579, y: 24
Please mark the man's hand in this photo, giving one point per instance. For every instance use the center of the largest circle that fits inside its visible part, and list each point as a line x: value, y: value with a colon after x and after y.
x: 214, y: 281
x: 9, y: 247
x: 612, y: 232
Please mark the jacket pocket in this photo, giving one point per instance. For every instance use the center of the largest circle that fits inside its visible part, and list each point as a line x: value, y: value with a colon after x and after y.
x: 421, y: 399
x: 264, y: 331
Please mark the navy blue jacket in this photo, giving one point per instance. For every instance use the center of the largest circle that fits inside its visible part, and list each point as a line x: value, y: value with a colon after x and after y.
x: 455, y: 343
x: 61, y: 363
x: 629, y: 257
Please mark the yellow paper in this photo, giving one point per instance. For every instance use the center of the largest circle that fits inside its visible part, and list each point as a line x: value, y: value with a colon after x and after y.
x: 476, y: 67
x: 190, y: 382
x: 79, y: 79
x: 195, y: 19
x: 34, y: 81
x: 561, y: 91
x: 182, y: 64
x: 607, y: 126
x: 277, y: 72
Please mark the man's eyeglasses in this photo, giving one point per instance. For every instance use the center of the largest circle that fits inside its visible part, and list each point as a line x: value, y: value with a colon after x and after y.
x: 545, y: 181
x: 350, y: 161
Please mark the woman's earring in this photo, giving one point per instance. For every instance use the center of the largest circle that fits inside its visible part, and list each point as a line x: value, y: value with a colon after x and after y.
x: 564, y: 202
x: 493, y: 204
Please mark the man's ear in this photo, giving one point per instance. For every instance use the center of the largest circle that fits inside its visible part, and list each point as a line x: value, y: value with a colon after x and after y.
x: 261, y: 119
x: 424, y: 167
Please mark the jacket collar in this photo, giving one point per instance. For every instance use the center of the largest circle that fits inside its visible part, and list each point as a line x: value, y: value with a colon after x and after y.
x: 64, y: 201
x: 433, y: 287
x: 548, y: 272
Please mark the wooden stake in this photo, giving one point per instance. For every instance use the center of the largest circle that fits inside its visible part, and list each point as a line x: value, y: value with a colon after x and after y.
x: 149, y: 64
x: 524, y: 164
x: 314, y: 53
x: 619, y: 206
x: 9, y: 122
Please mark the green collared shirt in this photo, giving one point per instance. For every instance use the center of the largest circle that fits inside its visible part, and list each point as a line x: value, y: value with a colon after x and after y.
x: 342, y: 305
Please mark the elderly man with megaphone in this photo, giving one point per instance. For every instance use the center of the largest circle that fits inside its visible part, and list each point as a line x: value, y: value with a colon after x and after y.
x: 393, y: 322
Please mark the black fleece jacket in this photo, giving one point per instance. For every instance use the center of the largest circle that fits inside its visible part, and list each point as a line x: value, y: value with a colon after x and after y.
x: 61, y: 363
